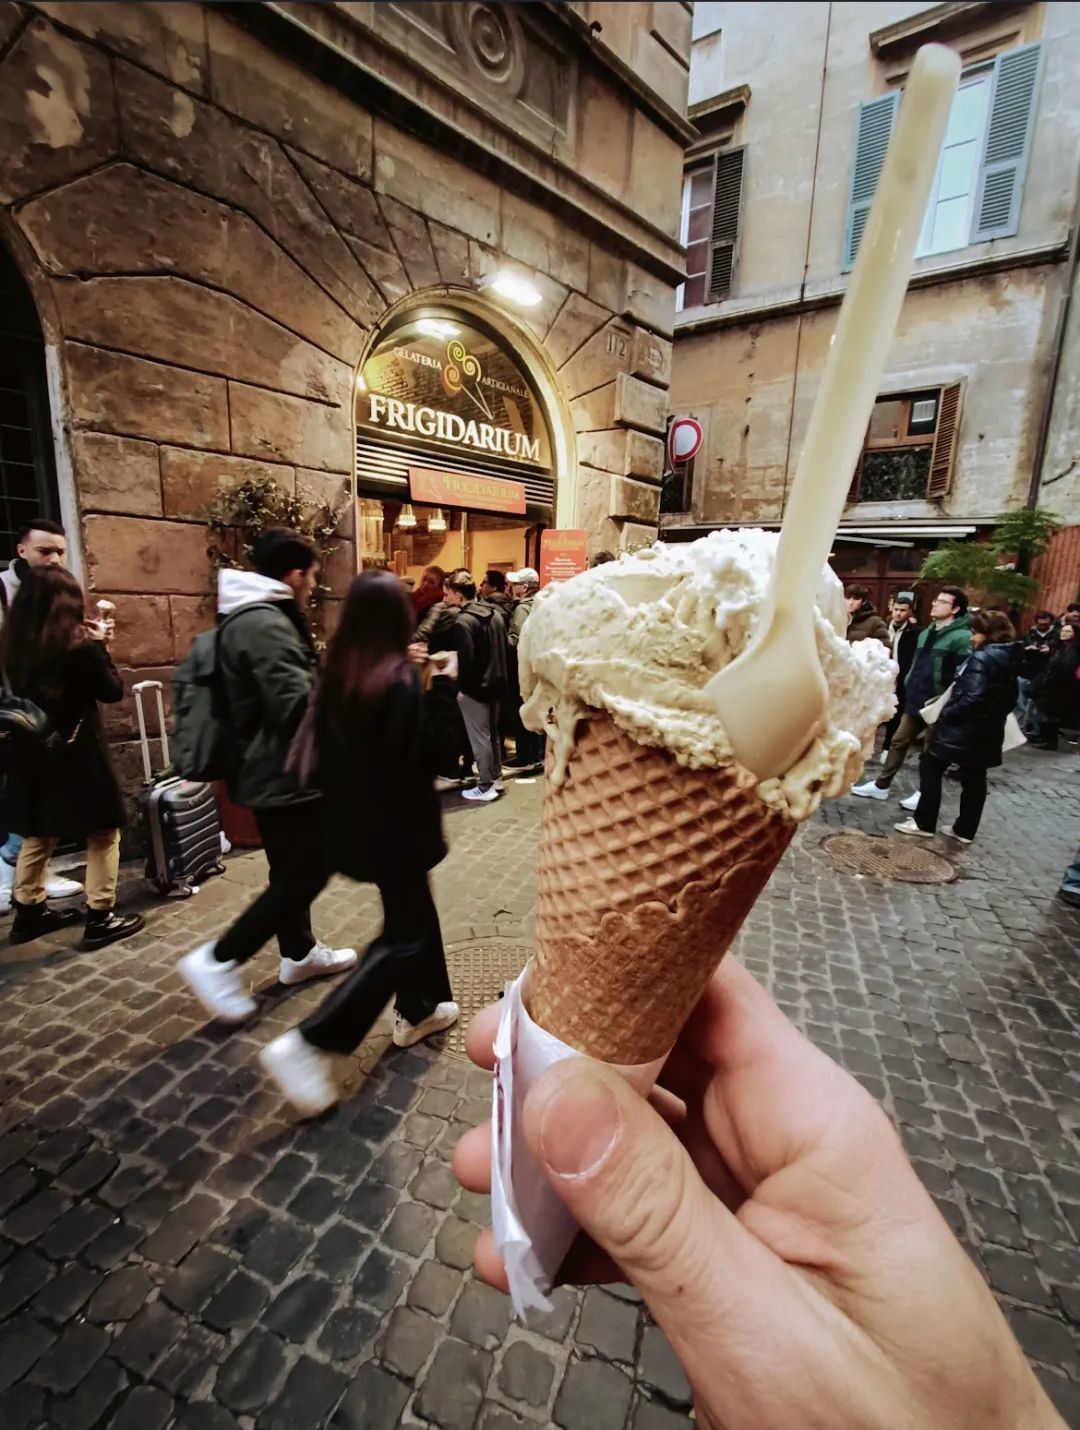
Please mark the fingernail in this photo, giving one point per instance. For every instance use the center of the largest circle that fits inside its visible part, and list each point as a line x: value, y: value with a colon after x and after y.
x: 579, y: 1124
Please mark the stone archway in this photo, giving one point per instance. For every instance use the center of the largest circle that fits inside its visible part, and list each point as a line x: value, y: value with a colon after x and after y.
x: 529, y: 355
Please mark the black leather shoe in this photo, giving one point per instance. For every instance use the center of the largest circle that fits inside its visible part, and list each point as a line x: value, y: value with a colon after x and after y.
x: 34, y: 920
x: 105, y: 926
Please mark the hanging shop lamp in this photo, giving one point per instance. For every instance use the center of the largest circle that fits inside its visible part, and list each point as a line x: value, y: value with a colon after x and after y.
x: 406, y: 517
x: 437, y: 522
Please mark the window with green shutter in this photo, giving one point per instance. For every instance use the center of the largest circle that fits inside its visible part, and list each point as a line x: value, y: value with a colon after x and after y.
x: 872, y: 135
x: 727, y: 204
x: 712, y: 204
x: 1008, y: 143
x: 979, y: 183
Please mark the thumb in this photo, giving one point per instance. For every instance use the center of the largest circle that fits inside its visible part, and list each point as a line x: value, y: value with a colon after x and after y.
x: 630, y: 1184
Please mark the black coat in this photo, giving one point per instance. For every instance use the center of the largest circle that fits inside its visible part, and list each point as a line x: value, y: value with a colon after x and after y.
x: 1057, y: 691
x: 381, y: 815
x: 72, y: 792
x: 480, y: 641
x: 971, y: 727
x: 905, y: 649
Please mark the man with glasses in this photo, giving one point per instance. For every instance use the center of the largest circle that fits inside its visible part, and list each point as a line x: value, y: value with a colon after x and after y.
x: 941, y: 650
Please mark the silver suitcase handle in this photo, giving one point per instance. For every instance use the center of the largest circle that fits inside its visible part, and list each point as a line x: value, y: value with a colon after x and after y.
x: 144, y: 739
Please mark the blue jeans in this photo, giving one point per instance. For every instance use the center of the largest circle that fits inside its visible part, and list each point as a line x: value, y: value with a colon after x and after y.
x: 9, y: 851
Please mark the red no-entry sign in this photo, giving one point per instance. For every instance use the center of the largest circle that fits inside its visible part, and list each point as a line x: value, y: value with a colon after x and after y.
x: 684, y: 439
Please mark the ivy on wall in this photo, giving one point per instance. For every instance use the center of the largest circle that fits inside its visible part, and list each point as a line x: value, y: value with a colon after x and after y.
x: 239, y: 513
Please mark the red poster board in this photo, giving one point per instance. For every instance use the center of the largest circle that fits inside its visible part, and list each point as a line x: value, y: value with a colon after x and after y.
x: 435, y: 488
x: 563, y: 554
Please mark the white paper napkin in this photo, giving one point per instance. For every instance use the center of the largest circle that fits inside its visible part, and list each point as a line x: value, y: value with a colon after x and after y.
x: 533, y: 1230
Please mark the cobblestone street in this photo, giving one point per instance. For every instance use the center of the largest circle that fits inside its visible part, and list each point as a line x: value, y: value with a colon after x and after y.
x: 177, y: 1251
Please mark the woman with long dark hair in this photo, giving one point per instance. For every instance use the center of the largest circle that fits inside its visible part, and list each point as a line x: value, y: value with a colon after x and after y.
x: 382, y: 825
x: 54, y: 657
x: 970, y: 730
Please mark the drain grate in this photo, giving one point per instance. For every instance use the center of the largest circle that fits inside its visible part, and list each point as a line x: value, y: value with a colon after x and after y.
x: 478, y: 974
x: 906, y: 860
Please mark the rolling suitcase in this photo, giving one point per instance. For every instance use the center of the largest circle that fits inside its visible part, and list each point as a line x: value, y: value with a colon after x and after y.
x: 179, y: 817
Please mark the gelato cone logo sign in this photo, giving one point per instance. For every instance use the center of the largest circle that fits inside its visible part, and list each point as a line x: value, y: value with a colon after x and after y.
x: 462, y: 373
x: 439, y: 384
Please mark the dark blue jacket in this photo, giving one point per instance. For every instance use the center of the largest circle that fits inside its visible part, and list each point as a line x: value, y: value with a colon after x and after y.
x: 971, y: 727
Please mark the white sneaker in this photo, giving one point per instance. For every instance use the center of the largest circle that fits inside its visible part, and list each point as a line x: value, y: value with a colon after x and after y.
x: 321, y: 962
x: 910, y: 827
x: 406, y: 1033
x: 60, y: 888
x: 482, y: 796
x: 911, y: 803
x: 304, y: 1074
x: 499, y: 786
x: 7, y: 885
x: 869, y: 791
x: 219, y: 987
x: 959, y: 837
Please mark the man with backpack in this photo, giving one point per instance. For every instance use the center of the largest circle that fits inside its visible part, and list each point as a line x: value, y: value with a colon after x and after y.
x: 264, y: 671
x: 480, y: 641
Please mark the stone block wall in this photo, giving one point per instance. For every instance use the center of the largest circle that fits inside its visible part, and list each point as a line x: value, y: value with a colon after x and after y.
x: 211, y: 232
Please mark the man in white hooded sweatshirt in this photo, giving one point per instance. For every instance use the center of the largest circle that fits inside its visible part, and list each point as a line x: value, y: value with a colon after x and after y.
x: 267, y: 660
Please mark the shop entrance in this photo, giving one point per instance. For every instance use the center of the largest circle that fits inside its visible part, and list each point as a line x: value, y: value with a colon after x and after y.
x: 437, y: 536
x: 454, y: 461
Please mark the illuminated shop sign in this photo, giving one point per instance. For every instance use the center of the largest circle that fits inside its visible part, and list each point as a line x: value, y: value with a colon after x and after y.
x: 441, y: 383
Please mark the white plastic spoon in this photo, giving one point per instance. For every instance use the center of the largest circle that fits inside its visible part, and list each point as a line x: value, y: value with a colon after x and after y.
x: 771, y: 700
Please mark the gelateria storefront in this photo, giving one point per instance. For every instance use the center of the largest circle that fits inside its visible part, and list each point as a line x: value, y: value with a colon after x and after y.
x: 454, y: 451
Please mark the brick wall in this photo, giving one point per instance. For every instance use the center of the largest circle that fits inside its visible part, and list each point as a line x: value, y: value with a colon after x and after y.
x: 1058, y: 571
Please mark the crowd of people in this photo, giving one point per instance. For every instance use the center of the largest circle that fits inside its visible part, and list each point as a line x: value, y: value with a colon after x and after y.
x: 467, y: 637
x: 960, y: 681
x: 339, y: 769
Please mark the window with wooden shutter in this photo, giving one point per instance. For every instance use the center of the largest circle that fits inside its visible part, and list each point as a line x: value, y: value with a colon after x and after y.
x: 727, y: 203
x: 872, y: 135
x: 1008, y: 142
x: 945, y: 438
x: 910, y: 447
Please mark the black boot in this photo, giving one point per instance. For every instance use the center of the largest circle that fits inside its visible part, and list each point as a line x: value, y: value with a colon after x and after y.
x: 33, y: 920
x: 105, y: 926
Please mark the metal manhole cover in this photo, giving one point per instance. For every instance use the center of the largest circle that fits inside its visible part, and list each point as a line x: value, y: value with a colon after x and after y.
x: 478, y: 974
x: 906, y: 860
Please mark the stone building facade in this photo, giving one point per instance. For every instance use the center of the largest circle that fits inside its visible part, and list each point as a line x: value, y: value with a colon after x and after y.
x: 211, y: 215
x: 978, y: 410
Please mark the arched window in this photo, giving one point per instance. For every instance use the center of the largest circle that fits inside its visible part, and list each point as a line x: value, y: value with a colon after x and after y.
x: 27, y: 465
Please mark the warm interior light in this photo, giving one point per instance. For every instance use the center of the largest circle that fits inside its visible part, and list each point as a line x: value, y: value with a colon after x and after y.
x: 513, y: 287
x: 437, y: 522
x: 437, y: 328
x: 361, y: 385
x: 406, y: 516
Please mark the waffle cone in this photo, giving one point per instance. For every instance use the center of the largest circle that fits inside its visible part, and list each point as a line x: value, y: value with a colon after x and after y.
x: 647, y: 871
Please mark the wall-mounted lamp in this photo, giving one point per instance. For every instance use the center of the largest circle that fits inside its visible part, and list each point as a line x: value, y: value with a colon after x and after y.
x: 513, y: 287
x: 437, y: 328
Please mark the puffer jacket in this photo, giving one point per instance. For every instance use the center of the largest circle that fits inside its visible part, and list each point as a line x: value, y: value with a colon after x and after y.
x: 971, y: 727
x: 267, y: 661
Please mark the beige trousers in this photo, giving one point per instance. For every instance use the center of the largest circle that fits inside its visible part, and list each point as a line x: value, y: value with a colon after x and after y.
x: 102, y: 869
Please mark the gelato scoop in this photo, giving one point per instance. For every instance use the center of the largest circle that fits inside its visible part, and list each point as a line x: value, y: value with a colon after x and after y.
x: 639, y: 638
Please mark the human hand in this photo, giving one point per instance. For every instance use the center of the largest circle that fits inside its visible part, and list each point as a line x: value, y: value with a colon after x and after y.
x: 764, y: 1207
x: 100, y: 630
x: 417, y: 652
